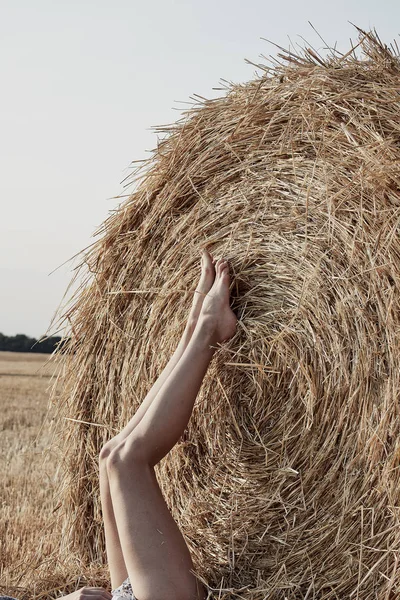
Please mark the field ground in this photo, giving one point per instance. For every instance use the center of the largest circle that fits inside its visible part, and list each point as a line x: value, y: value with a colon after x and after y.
x: 29, y: 566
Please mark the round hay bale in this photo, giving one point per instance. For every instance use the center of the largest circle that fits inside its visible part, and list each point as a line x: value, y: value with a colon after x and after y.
x: 286, y: 483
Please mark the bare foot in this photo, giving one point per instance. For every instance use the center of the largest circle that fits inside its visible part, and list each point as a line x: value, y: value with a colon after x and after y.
x: 203, y: 287
x: 216, y: 313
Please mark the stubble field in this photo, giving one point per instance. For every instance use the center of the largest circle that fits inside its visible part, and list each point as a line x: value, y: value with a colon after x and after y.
x: 31, y: 567
x: 28, y: 467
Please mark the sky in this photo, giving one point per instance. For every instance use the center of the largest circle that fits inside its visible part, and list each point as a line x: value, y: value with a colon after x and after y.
x: 82, y: 85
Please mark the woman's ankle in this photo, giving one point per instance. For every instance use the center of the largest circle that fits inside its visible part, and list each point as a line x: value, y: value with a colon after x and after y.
x: 205, y: 331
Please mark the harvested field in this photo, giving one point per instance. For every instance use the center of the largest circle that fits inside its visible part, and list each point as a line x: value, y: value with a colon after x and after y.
x: 28, y: 475
x: 30, y: 565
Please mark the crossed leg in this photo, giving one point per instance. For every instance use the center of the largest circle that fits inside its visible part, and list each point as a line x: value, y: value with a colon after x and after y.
x: 116, y: 561
x: 154, y: 553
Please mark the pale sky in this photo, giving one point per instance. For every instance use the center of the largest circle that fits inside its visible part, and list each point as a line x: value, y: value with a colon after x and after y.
x: 82, y: 83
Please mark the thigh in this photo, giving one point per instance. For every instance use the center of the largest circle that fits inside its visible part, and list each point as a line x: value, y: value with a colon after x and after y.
x: 157, y: 558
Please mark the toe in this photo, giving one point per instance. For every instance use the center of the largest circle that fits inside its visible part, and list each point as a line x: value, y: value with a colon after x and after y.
x: 206, y: 257
x: 225, y: 272
x: 223, y: 266
x: 218, y: 266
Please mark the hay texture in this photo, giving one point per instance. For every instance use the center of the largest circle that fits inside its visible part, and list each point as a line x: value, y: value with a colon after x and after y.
x: 286, y: 483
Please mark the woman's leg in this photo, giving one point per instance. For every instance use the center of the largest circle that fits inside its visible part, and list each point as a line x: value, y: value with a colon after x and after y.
x: 116, y: 563
x: 155, y: 553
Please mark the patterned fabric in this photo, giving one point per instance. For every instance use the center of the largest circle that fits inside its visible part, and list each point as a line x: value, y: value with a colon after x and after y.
x: 124, y: 591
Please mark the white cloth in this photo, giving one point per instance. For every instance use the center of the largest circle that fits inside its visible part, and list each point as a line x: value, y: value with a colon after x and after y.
x: 124, y: 591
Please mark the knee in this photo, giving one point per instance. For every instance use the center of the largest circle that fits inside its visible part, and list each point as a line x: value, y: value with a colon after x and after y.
x: 127, y: 453
x: 106, y: 451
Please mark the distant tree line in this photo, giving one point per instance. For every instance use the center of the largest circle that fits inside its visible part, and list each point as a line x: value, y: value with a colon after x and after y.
x: 23, y: 343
